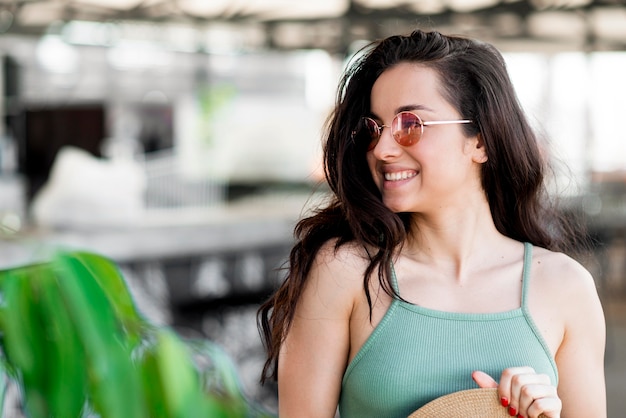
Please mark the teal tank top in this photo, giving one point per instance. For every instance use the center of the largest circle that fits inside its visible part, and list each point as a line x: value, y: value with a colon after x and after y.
x: 417, y: 354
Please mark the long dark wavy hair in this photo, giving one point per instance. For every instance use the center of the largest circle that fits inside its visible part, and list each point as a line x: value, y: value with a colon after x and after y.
x: 475, y: 81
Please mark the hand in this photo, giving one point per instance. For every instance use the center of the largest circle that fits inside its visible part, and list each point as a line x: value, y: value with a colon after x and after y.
x: 525, y: 393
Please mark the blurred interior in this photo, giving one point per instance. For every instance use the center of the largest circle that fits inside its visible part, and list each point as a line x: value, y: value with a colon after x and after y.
x: 181, y: 138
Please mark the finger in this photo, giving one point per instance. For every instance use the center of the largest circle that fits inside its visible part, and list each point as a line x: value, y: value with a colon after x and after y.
x: 532, y: 393
x: 508, y: 394
x: 484, y: 380
x: 526, y: 388
x: 546, y: 407
x: 523, y: 385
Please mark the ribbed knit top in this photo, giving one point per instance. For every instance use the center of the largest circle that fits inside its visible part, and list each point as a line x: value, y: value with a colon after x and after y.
x: 416, y: 354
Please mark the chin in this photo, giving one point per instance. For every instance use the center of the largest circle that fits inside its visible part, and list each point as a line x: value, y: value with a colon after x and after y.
x: 401, y: 207
x: 395, y: 208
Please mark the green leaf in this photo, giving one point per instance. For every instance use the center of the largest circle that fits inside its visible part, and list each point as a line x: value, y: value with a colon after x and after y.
x: 75, y: 343
x: 108, y: 353
x: 108, y: 276
x: 65, y: 357
x: 23, y: 340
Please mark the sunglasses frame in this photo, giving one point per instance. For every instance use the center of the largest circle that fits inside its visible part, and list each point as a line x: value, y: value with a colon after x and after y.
x: 379, y: 128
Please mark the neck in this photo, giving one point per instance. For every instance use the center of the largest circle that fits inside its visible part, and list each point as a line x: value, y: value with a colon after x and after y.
x: 455, y: 240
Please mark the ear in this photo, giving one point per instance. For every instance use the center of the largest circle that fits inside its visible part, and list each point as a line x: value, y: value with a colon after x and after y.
x: 479, y: 153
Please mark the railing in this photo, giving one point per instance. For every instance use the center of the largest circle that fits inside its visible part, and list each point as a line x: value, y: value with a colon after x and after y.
x: 168, y: 187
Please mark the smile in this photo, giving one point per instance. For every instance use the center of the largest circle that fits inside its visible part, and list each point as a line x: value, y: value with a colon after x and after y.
x: 400, y: 175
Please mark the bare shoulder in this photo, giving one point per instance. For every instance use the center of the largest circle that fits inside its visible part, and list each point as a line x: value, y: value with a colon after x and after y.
x: 335, y: 278
x: 564, y: 291
x: 343, y: 264
x: 347, y: 256
x: 561, y: 273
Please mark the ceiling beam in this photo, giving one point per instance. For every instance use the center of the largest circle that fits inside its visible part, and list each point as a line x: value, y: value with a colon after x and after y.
x: 506, y: 22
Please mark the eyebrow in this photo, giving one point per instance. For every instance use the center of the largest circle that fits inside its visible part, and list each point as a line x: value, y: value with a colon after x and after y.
x: 407, y: 108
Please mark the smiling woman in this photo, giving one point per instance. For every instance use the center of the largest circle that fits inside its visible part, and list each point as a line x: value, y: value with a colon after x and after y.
x: 438, y: 265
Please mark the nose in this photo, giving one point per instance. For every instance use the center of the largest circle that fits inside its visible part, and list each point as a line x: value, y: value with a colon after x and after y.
x: 386, y: 146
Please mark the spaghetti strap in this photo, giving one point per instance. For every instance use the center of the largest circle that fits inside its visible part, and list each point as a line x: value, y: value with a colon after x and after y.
x: 394, y: 280
x: 528, y: 258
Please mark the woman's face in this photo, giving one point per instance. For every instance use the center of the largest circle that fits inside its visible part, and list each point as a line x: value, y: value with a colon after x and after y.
x: 442, y: 169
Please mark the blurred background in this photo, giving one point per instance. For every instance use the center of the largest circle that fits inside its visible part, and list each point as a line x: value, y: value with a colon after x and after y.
x: 181, y: 138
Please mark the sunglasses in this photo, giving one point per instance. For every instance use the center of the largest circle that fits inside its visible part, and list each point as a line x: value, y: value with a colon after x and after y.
x: 406, y: 128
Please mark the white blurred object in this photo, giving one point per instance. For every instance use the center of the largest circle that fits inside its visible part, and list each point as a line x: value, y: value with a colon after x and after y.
x: 83, y: 190
x: 12, y: 204
x: 57, y: 56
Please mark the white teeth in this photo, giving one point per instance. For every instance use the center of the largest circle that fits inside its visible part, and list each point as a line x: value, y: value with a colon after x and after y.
x: 400, y: 175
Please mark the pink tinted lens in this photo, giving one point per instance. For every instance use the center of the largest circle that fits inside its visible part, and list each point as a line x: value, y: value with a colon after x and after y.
x: 406, y: 128
x: 373, y: 130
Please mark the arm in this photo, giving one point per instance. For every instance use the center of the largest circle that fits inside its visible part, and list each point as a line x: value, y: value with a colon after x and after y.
x: 580, y: 357
x: 315, y: 352
x: 572, y: 299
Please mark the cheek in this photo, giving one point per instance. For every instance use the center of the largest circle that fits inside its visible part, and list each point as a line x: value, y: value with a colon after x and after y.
x: 436, y: 164
x: 440, y: 154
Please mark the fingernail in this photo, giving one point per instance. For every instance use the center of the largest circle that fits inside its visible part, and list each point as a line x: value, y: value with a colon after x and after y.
x: 520, y: 416
x: 512, y: 411
x: 504, y: 401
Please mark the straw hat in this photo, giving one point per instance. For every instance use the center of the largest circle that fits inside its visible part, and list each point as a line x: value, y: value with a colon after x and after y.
x: 471, y: 403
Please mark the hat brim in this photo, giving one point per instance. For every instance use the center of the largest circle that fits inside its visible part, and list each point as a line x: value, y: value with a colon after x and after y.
x: 471, y: 403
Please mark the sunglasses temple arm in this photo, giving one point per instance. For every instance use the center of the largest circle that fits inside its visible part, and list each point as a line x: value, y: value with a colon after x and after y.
x: 445, y: 122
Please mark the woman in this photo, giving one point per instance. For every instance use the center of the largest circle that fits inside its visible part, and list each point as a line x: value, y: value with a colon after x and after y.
x: 436, y: 267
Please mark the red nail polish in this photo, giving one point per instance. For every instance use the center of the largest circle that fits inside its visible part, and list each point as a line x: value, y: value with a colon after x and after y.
x: 504, y: 401
x: 512, y: 411
x: 520, y: 416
